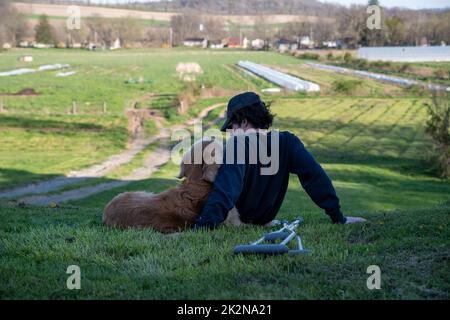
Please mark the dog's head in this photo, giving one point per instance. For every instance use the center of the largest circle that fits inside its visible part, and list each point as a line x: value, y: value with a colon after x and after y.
x: 199, y: 163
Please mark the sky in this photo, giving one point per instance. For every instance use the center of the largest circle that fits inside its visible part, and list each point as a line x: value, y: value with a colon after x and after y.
x: 412, y: 4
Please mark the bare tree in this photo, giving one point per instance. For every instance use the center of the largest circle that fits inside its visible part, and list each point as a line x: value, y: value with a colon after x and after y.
x: 13, y: 26
x: 263, y: 30
x: 128, y: 29
x: 184, y: 26
x: 395, y: 31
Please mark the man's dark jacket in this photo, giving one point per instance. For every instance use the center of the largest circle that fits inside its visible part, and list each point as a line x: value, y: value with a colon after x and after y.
x: 259, y: 197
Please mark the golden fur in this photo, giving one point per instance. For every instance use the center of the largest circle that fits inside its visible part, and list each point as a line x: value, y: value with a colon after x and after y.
x: 172, y: 210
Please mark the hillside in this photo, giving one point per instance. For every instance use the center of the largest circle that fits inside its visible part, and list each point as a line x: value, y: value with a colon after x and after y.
x: 223, y: 7
x: 60, y: 10
x: 38, y: 244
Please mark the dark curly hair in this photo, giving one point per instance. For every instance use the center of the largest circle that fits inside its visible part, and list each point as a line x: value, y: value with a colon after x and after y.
x: 258, y: 115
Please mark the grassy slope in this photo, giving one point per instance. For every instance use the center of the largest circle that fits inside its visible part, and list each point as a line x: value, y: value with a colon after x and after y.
x: 38, y: 244
x: 410, y: 246
x: 35, y: 147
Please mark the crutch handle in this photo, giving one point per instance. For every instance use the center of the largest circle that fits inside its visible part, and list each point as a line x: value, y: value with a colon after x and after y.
x: 277, y: 235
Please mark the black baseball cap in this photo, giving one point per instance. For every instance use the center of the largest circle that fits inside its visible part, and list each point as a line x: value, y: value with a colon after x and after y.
x: 238, y: 102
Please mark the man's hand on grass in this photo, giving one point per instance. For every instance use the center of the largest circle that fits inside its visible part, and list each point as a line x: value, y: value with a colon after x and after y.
x: 355, y: 220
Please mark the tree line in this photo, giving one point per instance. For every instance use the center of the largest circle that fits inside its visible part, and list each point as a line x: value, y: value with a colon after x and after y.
x: 399, y: 27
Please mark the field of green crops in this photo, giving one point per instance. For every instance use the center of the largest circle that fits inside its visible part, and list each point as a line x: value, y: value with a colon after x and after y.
x: 372, y: 142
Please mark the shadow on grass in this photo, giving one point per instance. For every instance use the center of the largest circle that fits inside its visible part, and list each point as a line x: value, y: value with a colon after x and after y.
x: 85, y: 191
x: 359, y: 189
x: 46, y: 124
x: 356, y: 143
x: 9, y: 177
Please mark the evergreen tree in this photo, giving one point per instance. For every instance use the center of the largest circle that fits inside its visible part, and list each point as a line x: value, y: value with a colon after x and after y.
x: 44, y: 31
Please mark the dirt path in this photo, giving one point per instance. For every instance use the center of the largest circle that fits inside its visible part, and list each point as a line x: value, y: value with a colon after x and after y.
x: 95, y: 171
x: 156, y: 159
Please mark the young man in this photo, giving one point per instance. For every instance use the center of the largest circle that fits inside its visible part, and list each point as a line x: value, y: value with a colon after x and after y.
x: 258, y: 197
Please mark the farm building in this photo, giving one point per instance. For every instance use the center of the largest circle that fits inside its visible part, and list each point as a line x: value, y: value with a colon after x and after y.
x: 115, y: 44
x: 330, y: 44
x: 306, y: 42
x: 234, y: 42
x: 258, y: 44
x: 196, y: 42
x: 284, y: 45
x: 26, y: 43
x: 217, y: 44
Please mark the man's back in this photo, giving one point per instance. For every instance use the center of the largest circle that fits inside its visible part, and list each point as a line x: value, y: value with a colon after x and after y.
x: 258, y: 195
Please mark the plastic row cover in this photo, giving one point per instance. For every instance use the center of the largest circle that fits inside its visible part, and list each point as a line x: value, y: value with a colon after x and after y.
x: 46, y: 67
x: 282, y: 79
x: 380, y: 77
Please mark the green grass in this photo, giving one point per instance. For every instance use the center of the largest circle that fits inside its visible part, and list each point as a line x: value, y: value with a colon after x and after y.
x: 44, y: 140
x: 36, y: 147
x: 373, y: 149
x: 423, y: 71
x: 102, y: 76
x: 326, y: 80
x: 372, y: 143
x: 38, y: 244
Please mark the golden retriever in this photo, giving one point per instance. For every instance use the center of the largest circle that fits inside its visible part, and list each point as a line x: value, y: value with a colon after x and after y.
x: 174, y: 209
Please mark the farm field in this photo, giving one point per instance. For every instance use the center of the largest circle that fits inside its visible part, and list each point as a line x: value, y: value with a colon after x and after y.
x: 371, y: 142
x: 159, y: 18
x: 434, y: 72
x: 100, y: 78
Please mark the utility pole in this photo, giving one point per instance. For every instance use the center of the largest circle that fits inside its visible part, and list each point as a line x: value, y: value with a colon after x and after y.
x: 240, y: 37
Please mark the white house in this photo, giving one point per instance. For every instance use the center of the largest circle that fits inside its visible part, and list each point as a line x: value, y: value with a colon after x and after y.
x: 258, y: 44
x: 306, y: 41
x: 196, y: 42
x: 330, y: 44
x: 24, y: 44
x: 43, y: 46
x: 217, y: 44
x: 115, y: 44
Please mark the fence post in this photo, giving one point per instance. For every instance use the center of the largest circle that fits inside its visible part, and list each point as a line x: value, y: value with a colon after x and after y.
x: 104, y: 106
x: 74, y: 107
x: 1, y: 106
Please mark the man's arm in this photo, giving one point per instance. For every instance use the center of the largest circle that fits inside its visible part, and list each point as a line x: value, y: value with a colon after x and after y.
x: 314, y: 180
x: 226, y: 191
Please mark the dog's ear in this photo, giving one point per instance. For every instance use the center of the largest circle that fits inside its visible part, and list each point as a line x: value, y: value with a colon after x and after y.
x: 209, y: 172
x: 212, y: 153
x: 186, y: 164
x: 182, y: 173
